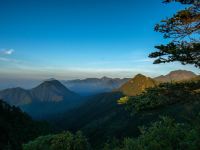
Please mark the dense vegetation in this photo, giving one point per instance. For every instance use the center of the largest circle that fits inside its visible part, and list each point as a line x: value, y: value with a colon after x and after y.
x: 62, y: 141
x: 165, y: 134
x: 100, y: 118
x: 17, y: 128
x: 163, y: 95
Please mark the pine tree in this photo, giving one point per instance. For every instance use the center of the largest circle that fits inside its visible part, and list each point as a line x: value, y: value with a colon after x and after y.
x: 183, y: 30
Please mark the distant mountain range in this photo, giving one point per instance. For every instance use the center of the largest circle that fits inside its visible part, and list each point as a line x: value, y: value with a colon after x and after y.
x: 177, y: 75
x: 140, y: 82
x: 52, y: 96
x: 91, y: 86
x: 48, y: 91
x: 48, y: 97
x: 54, y: 91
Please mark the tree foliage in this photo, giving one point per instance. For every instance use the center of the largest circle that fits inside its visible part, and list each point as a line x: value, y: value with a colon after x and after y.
x: 163, y: 95
x: 123, y: 100
x: 16, y: 127
x: 62, y: 141
x: 165, y: 134
x: 183, y: 29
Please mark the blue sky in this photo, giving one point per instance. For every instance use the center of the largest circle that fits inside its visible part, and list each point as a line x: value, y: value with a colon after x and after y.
x: 68, y: 39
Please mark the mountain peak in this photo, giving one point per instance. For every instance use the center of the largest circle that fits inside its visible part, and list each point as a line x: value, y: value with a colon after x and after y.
x: 51, y: 90
x: 176, y: 75
x: 137, y: 85
x: 182, y: 72
x: 52, y: 81
x: 49, y: 83
x: 140, y: 76
x: 105, y: 78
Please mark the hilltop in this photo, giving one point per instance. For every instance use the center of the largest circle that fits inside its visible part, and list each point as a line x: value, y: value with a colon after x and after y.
x: 137, y: 85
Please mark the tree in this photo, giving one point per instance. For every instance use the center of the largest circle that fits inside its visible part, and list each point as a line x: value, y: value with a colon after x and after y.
x: 183, y: 29
x: 16, y: 127
x: 62, y: 141
x: 164, y: 95
x: 165, y: 134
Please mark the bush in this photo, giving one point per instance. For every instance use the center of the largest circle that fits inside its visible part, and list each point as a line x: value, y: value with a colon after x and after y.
x: 63, y: 141
x: 165, y: 134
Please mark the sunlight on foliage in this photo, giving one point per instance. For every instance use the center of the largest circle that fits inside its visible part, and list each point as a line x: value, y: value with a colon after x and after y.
x: 123, y: 100
x: 163, y: 95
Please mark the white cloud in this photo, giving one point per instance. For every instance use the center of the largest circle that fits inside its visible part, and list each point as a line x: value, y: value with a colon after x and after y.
x: 7, y: 51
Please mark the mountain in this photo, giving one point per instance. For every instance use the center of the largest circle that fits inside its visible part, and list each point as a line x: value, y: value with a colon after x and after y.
x: 16, y: 96
x: 48, y: 91
x: 140, y: 82
x: 137, y: 85
x: 48, y: 98
x: 177, y: 75
x: 92, y: 86
x: 51, y: 91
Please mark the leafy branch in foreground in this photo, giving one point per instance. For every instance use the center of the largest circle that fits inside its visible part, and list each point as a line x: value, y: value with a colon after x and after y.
x: 184, y: 30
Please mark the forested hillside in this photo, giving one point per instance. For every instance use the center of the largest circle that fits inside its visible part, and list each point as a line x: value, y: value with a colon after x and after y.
x: 16, y: 127
x: 108, y: 124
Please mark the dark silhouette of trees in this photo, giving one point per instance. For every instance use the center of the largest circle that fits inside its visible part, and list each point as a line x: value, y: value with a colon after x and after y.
x: 16, y: 127
x: 183, y: 29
